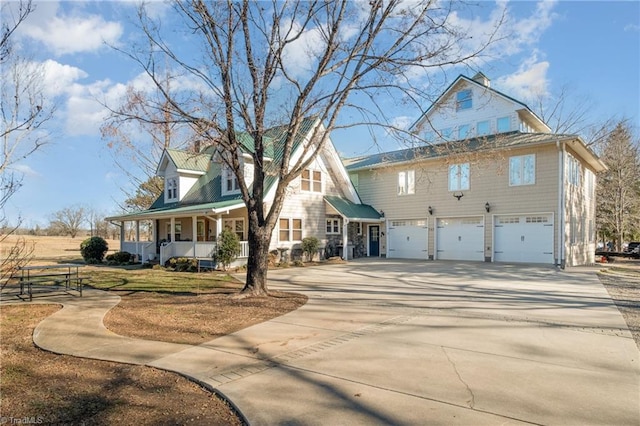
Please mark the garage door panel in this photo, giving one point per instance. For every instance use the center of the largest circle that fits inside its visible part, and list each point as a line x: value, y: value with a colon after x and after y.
x: 407, y: 239
x: 460, y: 238
x: 524, y: 238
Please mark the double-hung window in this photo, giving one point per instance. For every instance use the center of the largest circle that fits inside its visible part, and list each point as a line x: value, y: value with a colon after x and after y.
x: 407, y: 182
x: 463, y: 100
x: 235, y: 225
x: 573, y: 170
x: 458, y: 177
x: 290, y: 229
x: 231, y: 184
x: 311, y: 180
x: 172, y: 188
x: 333, y: 226
x: 522, y: 170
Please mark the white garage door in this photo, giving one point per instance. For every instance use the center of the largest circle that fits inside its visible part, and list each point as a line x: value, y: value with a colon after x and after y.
x: 460, y: 238
x: 524, y: 238
x: 407, y: 239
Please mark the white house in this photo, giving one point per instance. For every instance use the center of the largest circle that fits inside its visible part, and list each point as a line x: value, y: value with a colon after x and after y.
x: 490, y: 183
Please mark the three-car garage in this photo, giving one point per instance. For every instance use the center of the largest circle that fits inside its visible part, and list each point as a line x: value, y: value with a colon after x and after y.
x: 517, y: 238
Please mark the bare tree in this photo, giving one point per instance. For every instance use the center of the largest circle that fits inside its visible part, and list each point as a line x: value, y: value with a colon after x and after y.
x: 138, y: 131
x: 23, y: 113
x: 618, y: 208
x: 69, y: 220
x: 565, y: 112
x: 250, y: 76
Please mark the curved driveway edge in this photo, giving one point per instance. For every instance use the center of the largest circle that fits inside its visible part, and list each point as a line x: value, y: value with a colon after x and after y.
x: 401, y: 342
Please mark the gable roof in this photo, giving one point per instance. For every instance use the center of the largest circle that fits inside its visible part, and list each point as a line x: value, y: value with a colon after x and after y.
x: 353, y: 211
x: 486, y: 143
x: 525, y: 109
x: 186, y: 161
x: 206, y: 194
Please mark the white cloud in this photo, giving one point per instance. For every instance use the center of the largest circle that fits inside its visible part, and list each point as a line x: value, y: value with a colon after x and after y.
x: 511, y: 34
x: 299, y: 54
x: 528, y: 82
x: 25, y: 170
x: 632, y: 27
x: 58, y: 78
x: 68, y: 34
x: 402, y: 122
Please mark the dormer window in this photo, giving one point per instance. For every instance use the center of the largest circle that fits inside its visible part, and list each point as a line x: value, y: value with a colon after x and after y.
x: 171, y: 189
x: 463, y: 100
x: 230, y: 182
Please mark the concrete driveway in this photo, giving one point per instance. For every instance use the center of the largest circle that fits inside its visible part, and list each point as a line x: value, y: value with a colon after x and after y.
x: 401, y: 342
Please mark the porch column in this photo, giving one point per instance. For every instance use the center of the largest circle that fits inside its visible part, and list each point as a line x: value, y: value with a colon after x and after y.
x: 194, y: 233
x: 173, y: 229
x: 121, y: 234
x: 138, y: 252
x: 218, y: 226
x: 345, y: 238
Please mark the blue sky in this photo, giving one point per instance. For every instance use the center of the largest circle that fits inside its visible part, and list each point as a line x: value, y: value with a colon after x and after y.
x: 591, y: 47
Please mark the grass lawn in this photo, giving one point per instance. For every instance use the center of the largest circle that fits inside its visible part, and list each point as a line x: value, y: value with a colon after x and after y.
x: 156, y: 304
x: 133, y: 279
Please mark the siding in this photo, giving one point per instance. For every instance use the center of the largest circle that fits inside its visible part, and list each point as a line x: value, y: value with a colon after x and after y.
x: 308, y: 206
x: 486, y: 105
x: 489, y: 182
x: 579, y: 207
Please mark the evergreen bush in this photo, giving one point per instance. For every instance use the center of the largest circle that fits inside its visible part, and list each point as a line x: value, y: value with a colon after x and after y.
x: 93, y: 249
x: 228, y: 248
x: 310, y: 246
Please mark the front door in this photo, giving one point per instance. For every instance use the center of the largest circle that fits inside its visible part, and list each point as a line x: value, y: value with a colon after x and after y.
x: 374, y: 240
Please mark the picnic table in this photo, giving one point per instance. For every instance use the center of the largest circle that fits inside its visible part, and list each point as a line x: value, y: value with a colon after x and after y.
x: 39, y: 278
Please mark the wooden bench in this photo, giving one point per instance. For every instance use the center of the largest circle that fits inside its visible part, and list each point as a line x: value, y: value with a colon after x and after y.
x: 46, y: 278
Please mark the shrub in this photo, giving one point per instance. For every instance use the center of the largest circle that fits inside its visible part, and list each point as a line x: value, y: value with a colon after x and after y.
x: 228, y: 248
x: 298, y: 263
x: 93, y: 249
x: 310, y: 246
x: 182, y: 264
x: 119, y: 258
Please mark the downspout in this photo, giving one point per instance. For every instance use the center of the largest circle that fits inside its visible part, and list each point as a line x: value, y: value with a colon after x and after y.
x: 561, y: 206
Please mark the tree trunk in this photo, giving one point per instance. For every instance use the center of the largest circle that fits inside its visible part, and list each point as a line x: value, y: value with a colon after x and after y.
x: 258, y: 262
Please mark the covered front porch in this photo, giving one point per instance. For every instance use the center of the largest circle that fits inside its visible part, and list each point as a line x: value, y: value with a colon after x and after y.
x: 180, y: 232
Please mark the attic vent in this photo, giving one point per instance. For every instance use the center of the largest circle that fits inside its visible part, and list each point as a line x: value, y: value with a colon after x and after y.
x: 482, y: 79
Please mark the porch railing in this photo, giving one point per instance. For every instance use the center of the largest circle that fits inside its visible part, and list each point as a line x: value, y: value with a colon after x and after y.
x: 141, y: 248
x: 197, y: 250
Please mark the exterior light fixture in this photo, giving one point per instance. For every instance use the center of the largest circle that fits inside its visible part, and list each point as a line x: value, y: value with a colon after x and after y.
x: 458, y: 196
x: 487, y: 207
x: 430, y: 210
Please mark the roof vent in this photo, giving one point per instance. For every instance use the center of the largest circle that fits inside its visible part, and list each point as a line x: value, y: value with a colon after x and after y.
x: 482, y: 79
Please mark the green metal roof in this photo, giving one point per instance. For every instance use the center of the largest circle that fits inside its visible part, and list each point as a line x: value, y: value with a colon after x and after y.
x: 353, y: 211
x: 206, y: 193
x: 185, y: 160
x: 171, y: 210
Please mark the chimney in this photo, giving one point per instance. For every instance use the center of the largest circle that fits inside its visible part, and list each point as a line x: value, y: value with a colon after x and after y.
x: 482, y: 79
